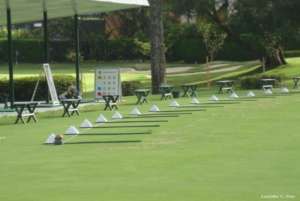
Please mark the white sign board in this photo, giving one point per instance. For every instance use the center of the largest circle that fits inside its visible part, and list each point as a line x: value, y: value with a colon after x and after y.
x: 51, y: 86
x: 107, y: 82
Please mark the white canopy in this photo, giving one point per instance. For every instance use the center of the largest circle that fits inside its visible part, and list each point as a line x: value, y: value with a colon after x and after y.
x: 32, y: 10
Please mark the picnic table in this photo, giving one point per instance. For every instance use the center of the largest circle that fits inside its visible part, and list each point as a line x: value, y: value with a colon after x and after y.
x: 296, y: 82
x: 166, y: 91
x: 111, y: 101
x: 25, y: 110
x: 142, y: 95
x: 70, y: 106
x: 189, y: 90
x: 268, y: 83
x: 225, y: 85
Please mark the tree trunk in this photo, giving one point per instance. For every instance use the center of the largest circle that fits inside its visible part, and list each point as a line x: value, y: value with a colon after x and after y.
x: 275, y: 59
x: 158, y: 58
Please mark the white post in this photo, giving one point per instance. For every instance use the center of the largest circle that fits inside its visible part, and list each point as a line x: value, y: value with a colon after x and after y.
x: 264, y: 64
x: 208, y: 71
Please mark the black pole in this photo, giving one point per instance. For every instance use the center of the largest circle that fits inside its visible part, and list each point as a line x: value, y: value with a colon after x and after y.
x: 46, y: 42
x: 77, y: 50
x: 10, y: 58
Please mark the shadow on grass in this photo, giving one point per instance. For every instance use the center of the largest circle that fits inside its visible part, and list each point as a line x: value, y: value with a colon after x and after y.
x: 221, y: 102
x: 177, y: 112
x: 104, y: 142
x: 111, y: 134
x: 152, y: 116
x: 145, y: 121
x: 128, y: 126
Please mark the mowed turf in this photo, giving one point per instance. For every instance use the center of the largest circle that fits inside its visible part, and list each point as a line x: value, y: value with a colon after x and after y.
x: 236, y: 153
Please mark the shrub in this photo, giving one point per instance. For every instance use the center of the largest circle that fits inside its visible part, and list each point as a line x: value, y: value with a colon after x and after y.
x: 254, y: 82
x: 233, y: 51
x: 292, y: 53
x: 28, y: 50
x: 184, y: 43
x: 128, y: 87
x: 31, y: 50
x: 24, y: 87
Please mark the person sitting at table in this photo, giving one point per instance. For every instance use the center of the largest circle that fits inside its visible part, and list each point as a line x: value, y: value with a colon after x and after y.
x: 71, y: 93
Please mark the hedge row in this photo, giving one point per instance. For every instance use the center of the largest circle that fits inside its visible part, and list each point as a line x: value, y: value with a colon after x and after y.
x: 186, y: 46
x: 190, y: 50
x: 193, y: 50
x: 292, y: 53
x: 129, y: 87
x: 24, y: 87
x: 60, y: 51
x: 254, y: 82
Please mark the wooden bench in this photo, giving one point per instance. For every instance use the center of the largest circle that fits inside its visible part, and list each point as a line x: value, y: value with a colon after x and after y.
x: 268, y: 83
x: 227, y: 89
x: 225, y: 86
x: 266, y: 87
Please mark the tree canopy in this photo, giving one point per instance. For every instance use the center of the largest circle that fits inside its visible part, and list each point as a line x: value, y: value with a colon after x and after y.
x: 261, y: 26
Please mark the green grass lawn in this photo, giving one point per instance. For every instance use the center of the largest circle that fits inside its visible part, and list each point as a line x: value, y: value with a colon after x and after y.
x: 234, y: 153
x: 289, y: 71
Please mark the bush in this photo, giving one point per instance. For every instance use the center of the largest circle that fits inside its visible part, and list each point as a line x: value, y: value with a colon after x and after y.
x: 292, y: 53
x: 128, y: 87
x: 185, y: 43
x: 31, y: 50
x: 232, y: 51
x: 24, y: 87
x: 28, y: 50
x: 253, y: 82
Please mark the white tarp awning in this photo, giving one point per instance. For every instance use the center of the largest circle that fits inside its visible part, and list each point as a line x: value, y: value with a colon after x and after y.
x: 32, y: 10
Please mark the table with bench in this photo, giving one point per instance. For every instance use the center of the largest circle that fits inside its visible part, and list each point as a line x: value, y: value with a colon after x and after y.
x: 142, y: 95
x: 296, y: 82
x: 70, y: 107
x: 111, y: 101
x: 25, y: 110
x: 189, y: 90
x: 166, y: 91
x: 268, y: 83
x: 225, y: 86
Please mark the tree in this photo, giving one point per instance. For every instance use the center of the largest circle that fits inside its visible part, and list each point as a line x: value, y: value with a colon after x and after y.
x: 158, y: 58
x: 213, y: 37
x: 260, y: 26
x: 133, y: 22
x: 272, y: 23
